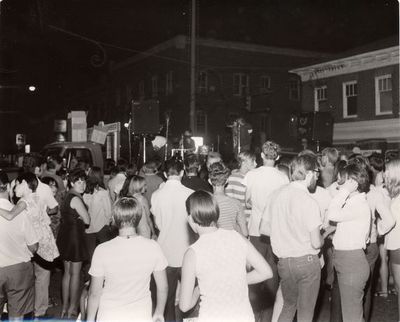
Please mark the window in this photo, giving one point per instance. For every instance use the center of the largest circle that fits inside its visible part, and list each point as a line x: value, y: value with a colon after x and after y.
x: 201, y: 122
x: 350, y: 99
x: 320, y: 98
x: 169, y: 85
x: 294, y: 89
x: 203, y: 82
x: 154, y: 86
x: 265, y: 85
x: 383, y: 95
x: 240, y: 84
x: 141, y: 89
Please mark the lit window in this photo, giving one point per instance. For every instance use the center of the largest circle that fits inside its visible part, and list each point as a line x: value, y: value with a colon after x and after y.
x: 320, y: 98
x: 240, y: 84
x: 265, y: 84
x: 294, y: 89
x: 154, y: 86
x: 350, y: 99
x: 383, y: 95
x: 203, y: 82
x: 169, y: 85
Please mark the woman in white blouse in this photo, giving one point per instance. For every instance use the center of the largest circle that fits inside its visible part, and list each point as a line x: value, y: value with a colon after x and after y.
x: 350, y: 209
x: 392, y: 182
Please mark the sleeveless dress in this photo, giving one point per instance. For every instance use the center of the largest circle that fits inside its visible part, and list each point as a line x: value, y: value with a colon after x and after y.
x: 221, y: 274
x: 71, y: 236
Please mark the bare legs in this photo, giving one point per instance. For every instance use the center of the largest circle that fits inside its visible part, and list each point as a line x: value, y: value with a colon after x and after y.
x: 396, y: 277
x: 70, y: 288
x: 383, y: 269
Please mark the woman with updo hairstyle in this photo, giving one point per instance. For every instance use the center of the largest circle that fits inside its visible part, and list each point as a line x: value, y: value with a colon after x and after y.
x: 218, y: 261
x: 71, y: 241
x: 121, y: 271
x: 392, y: 182
x: 351, y: 211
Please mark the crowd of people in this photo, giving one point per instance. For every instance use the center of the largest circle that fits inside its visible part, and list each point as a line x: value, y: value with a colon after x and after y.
x: 210, y: 241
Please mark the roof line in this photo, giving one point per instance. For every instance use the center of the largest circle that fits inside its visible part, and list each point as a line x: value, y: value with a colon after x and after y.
x: 181, y: 41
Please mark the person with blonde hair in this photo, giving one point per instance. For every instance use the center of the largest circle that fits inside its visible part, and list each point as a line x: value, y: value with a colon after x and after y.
x: 392, y: 182
x: 121, y: 271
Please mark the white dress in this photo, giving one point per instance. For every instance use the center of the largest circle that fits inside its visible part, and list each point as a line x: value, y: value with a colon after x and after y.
x: 126, y: 265
x: 221, y: 274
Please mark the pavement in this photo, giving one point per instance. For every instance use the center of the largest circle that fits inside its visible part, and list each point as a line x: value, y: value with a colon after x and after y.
x: 383, y: 309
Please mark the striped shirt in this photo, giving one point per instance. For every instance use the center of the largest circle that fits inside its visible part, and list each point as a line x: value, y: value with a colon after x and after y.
x: 237, y: 190
x: 230, y: 212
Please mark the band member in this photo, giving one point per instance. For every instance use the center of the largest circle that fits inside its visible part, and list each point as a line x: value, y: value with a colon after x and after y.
x: 187, y: 142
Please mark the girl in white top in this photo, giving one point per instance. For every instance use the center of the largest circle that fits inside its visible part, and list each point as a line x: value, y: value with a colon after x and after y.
x: 121, y: 270
x: 392, y: 182
x: 218, y: 260
x: 350, y: 209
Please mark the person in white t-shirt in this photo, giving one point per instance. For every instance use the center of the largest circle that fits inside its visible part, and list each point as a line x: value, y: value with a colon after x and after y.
x: 121, y: 271
x: 260, y: 183
x: 18, y: 241
x: 169, y: 210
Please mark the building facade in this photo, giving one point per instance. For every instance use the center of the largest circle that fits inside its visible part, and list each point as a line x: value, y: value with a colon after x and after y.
x: 361, y: 91
x: 233, y: 80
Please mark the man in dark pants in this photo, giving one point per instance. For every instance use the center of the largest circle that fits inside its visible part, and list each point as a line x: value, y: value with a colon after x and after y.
x: 168, y: 205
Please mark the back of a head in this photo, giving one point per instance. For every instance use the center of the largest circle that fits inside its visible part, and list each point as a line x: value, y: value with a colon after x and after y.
x: 173, y: 167
x: 192, y: 164
x: 30, y: 179
x: 127, y: 212
x: 213, y: 157
x: 376, y: 161
x: 218, y: 174
x: 150, y: 167
x: 203, y: 208
x: 331, y: 154
x: 300, y: 165
x: 246, y: 156
x: 359, y: 173
x: 4, y: 181
x: 271, y: 150
x: 392, y: 177
x: 340, y: 169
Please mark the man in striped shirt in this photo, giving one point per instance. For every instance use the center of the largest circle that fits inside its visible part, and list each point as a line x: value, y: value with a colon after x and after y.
x: 235, y: 187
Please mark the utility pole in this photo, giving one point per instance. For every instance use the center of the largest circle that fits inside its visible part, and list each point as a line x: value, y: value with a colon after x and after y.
x: 192, y: 113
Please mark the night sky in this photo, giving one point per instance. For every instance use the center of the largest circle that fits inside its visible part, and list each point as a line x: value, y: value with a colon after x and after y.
x: 37, y: 45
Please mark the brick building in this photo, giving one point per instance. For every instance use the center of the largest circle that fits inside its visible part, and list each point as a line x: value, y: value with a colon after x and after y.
x: 234, y: 79
x: 361, y: 91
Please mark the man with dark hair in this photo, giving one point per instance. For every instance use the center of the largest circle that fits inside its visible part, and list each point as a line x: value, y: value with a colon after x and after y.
x: 292, y: 220
x: 18, y: 241
x: 191, y: 178
x: 168, y: 205
x: 50, y: 171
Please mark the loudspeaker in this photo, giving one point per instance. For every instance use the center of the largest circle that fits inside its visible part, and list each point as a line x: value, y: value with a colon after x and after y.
x: 316, y: 126
x: 145, y: 117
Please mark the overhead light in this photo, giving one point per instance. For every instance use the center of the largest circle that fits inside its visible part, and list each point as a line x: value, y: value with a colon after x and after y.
x: 31, y: 88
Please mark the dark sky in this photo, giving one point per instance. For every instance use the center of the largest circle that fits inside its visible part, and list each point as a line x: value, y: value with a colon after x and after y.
x: 34, y: 49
